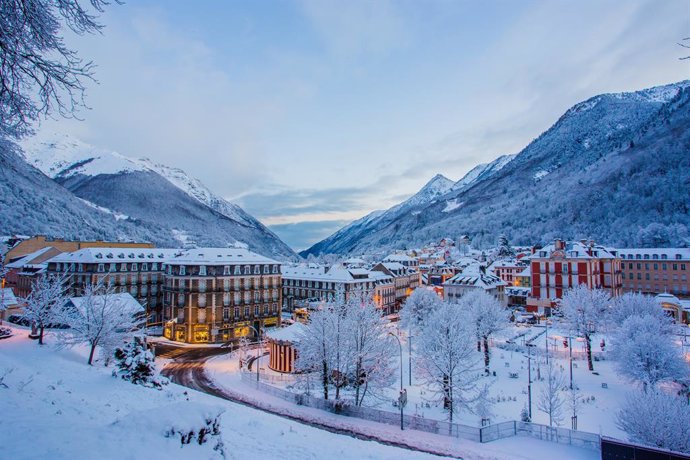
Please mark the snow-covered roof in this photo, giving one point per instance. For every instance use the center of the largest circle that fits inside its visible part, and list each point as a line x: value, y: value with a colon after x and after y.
x: 575, y: 250
x: 660, y: 253
x: 292, y: 333
x: 7, y: 298
x: 398, y: 258
x: 336, y: 274
x: 218, y: 256
x: 108, y: 255
x: 19, y: 263
x: 123, y: 300
x: 505, y: 263
x: 474, y: 276
x: 526, y: 272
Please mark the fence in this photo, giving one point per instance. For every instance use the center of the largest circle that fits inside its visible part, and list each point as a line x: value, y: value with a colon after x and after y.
x: 413, y: 422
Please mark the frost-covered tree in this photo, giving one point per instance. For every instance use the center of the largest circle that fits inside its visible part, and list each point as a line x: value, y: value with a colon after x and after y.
x: 136, y: 364
x: 315, y: 347
x: 101, y: 317
x: 39, y: 74
x: 371, y: 353
x: 656, y: 419
x: 644, y: 352
x: 448, y: 363
x: 418, y: 306
x: 551, y: 398
x: 43, y: 303
x: 488, y: 317
x: 504, y: 250
x: 585, y: 310
x: 634, y: 304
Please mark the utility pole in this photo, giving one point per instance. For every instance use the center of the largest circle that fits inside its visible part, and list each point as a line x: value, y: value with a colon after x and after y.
x: 409, y: 341
x: 529, y: 380
x: 402, y: 398
x: 546, y: 323
x: 570, y: 347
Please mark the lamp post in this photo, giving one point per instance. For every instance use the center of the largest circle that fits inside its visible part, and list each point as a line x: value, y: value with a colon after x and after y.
x: 529, y: 379
x: 402, y: 399
x: 409, y: 342
x: 258, y: 351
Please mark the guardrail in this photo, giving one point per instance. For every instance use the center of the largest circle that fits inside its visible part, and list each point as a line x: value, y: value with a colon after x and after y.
x: 484, y: 434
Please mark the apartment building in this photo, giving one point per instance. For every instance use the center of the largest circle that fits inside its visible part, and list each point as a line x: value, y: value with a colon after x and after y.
x: 137, y: 270
x: 406, y: 280
x: 563, y: 265
x: 474, y: 277
x: 216, y: 295
x: 656, y: 270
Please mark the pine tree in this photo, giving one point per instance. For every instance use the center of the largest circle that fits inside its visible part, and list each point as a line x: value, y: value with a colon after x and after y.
x: 136, y: 364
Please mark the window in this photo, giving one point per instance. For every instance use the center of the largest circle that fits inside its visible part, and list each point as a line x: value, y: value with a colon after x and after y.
x: 226, y: 314
x: 154, y: 266
x: 664, y: 266
x: 275, y: 269
x: 202, y: 285
x: 134, y: 267
x: 682, y: 266
x: 646, y: 266
x: 646, y: 256
x: 237, y: 270
x: 257, y: 270
x: 81, y: 267
x: 639, y: 276
x: 226, y: 299
x: 646, y: 276
x: 655, y: 256
x: 675, y: 266
x: 201, y: 316
x: 183, y: 270
x: 256, y: 310
x: 202, y: 300
x: 226, y: 270
x: 202, y: 270
x: 630, y: 276
x: 266, y: 309
x: 237, y: 312
x: 247, y: 270
x: 638, y: 256
x: 246, y: 311
x: 664, y: 256
x: 678, y: 257
x: 144, y: 267
x: 656, y: 266
x: 101, y: 268
x: 123, y: 267
x: 639, y: 266
x: 265, y: 269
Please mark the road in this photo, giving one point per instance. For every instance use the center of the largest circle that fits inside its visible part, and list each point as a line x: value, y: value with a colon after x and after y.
x: 187, y: 369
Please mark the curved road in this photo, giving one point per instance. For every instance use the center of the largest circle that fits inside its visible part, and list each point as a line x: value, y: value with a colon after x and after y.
x: 187, y: 370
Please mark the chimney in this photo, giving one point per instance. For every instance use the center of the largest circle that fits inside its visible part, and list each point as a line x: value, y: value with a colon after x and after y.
x: 559, y: 244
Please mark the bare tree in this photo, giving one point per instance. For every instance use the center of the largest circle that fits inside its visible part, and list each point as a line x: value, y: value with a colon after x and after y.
x: 448, y: 363
x: 551, y: 396
x: 39, y: 74
x: 585, y: 310
x: 101, y: 317
x: 43, y: 303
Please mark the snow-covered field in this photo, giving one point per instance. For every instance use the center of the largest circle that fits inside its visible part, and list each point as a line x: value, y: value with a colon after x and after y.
x: 56, y: 406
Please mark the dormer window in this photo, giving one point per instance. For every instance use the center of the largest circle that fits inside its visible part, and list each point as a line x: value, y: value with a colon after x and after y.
x: 154, y: 266
x: 238, y: 270
x: 257, y: 270
x: 123, y: 267
x: 664, y: 257
x: 202, y: 270
x: 247, y: 270
x: 112, y: 268
x: 134, y: 267
x: 679, y: 257
x: 275, y: 269
x: 101, y: 268
x: 183, y: 270
x: 144, y: 267
x: 266, y: 271
x: 226, y: 270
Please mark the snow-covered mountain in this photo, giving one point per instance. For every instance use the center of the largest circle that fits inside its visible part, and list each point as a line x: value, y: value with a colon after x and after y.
x: 481, y: 172
x: 141, y: 193
x: 437, y: 187
x: 615, y: 168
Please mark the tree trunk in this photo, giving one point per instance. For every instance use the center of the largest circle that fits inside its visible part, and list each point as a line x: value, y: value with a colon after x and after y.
x: 588, y: 346
x: 325, y: 380
x: 40, y: 335
x: 479, y: 344
x: 93, y: 349
x: 486, y: 355
x: 358, y: 371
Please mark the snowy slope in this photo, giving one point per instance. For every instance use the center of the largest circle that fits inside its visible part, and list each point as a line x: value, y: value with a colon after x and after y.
x: 151, y: 195
x: 56, y: 406
x: 481, y: 172
x: 438, y: 186
x: 614, y: 168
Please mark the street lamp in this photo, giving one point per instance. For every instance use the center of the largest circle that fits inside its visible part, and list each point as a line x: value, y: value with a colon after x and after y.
x: 258, y: 351
x: 402, y: 399
x: 529, y: 378
x: 409, y: 342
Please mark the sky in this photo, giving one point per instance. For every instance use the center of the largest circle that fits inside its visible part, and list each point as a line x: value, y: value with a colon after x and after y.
x: 310, y: 114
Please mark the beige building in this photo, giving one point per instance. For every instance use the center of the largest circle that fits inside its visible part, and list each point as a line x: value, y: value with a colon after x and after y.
x: 656, y: 270
x: 39, y: 242
x: 220, y: 294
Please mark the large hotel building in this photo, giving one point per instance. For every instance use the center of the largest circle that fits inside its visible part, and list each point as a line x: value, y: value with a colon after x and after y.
x: 656, y: 271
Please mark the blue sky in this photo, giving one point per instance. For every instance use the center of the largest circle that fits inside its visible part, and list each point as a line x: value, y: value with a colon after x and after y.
x: 313, y: 113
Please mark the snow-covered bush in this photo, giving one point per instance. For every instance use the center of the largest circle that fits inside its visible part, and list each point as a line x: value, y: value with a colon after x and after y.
x: 136, y: 364
x: 5, y: 332
x: 656, y: 419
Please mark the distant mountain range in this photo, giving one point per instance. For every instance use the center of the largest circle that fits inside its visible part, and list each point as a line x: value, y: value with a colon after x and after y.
x: 88, y: 192
x: 615, y: 168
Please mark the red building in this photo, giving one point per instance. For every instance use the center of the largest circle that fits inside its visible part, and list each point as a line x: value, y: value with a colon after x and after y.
x: 563, y: 265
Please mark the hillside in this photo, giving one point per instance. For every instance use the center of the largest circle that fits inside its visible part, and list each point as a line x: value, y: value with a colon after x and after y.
x: 615, y: 168
x: 96, y: 193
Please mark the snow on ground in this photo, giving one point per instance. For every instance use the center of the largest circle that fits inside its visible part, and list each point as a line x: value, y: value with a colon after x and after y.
x: 452, y: 205
x: 224, y: 371
x: 115, y: 214
x: 56, y: 406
